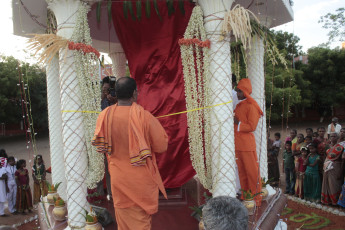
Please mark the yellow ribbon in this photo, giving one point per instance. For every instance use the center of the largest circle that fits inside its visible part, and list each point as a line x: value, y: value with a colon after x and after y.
x: 171, y: 114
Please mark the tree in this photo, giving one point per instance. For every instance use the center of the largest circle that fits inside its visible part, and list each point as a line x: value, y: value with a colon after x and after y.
x: 288, y: 84
x: 326, y: 72
x: 335, y: 23
x: 15, y: 75
x: 287, y: 44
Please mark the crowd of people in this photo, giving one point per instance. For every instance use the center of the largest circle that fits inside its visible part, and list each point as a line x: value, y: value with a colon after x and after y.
x: 313, y: 164
x: 15, y: 184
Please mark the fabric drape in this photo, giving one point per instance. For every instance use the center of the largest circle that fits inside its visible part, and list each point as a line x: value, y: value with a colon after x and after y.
x: 153, y: 54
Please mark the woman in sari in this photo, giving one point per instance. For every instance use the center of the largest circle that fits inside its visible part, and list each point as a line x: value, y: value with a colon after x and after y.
x: 272, y: 160
x: 39, y: 176
x: 24, y: 198
x: 332, y: 173
x: 341, y: 200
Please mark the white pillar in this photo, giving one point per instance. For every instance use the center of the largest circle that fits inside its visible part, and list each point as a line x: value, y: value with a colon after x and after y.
x: 72, y: 123
x: 119, y: 61
x: 222, y: 139
x: 55, y: 127
x: 255, y: 71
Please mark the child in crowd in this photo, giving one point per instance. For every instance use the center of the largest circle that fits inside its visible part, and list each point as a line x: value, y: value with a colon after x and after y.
x: 12, y: 186
x: 3, y: 190
x: 24, y: 198
x: 289, y: 167
x: 300, y: 171
x: 39, y: 176
x: 315, y: 135
x: 308, y: 140
x: 277, y: 142
x: 312, y: 182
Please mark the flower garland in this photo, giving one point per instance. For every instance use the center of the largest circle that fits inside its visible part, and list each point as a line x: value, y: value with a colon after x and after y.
x: 50, y: 44
x: 185, y: 41
x: 194, y: 51
x: 87, y: 70
x: 83, y: 48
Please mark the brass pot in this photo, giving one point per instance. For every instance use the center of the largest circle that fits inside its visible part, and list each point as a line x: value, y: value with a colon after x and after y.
x: 264, y: 193
x: 59, y: 213
x: 201, y: 224
x: 93, y: 226
x: 250, y: 205
x: 50, y: 197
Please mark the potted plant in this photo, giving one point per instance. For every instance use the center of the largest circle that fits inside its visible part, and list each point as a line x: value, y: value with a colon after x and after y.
x: 60, y: 210
x: 197, y: 211
x: 52, y: 192
x: 248, y: 200
x: 264, y: 192
x: 91, y: 221
x: 197, y: 214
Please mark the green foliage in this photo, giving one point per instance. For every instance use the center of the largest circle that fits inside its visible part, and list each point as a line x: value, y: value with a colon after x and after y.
x: 285, y: 93
x: 335, y: 23
x: 326, y: 72
x: 287, y: 44
x: 53, y: 187
x: 10, y: 92
x: 248, y: 195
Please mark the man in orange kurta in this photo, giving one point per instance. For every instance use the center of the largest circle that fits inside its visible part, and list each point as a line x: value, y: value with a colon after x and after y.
x: 131, y: 137
x: 247, y: 114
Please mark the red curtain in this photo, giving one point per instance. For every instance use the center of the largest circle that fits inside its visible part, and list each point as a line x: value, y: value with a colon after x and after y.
x: 153, y: 54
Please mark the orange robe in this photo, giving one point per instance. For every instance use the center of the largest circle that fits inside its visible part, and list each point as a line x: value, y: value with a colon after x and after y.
x: 134, y: 188
x: 245, y: 147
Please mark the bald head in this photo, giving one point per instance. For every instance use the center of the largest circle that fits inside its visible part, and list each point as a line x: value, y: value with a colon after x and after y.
x: 125, y: 87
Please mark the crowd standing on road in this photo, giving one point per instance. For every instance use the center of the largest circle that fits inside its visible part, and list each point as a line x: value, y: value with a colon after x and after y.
x: 313, y: 165
x: 14, y: 184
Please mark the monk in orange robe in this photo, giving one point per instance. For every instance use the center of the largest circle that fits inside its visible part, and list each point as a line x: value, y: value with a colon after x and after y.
x: 131, y: 137
x: 247, y: 114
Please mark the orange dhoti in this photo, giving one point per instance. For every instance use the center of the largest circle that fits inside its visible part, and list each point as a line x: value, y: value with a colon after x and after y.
x: 133, y: 218
x: 248, y: 170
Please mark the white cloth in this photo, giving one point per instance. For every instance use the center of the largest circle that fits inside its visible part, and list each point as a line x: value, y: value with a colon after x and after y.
x: 238, y: 184
x: 337, y: 128
x: 10, y: 171
x: 2, y: 187
x: 234, y: 99
x: 281, y: 225
x: 11, y: 197
x: 2, y: 208
x: 12, y: 186
x: 277, y: 143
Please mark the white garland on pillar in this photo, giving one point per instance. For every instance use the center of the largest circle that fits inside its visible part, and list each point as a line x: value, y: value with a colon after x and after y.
x: 197, y: 95
x: 55, y: 127
x: 255, y: 71
x: 87, y: 69
x: 222, y: 124
x: 118, y: 64
x: 73, y: 131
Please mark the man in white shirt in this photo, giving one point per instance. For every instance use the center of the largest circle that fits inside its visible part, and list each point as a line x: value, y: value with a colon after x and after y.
x: 12, y: 186
x: 334, y: 126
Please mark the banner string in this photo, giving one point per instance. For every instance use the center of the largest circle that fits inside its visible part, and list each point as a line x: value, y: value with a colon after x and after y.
x: 168, y: 115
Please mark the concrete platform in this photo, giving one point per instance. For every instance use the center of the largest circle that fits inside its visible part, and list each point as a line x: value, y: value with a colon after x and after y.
x: 175, y: 213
